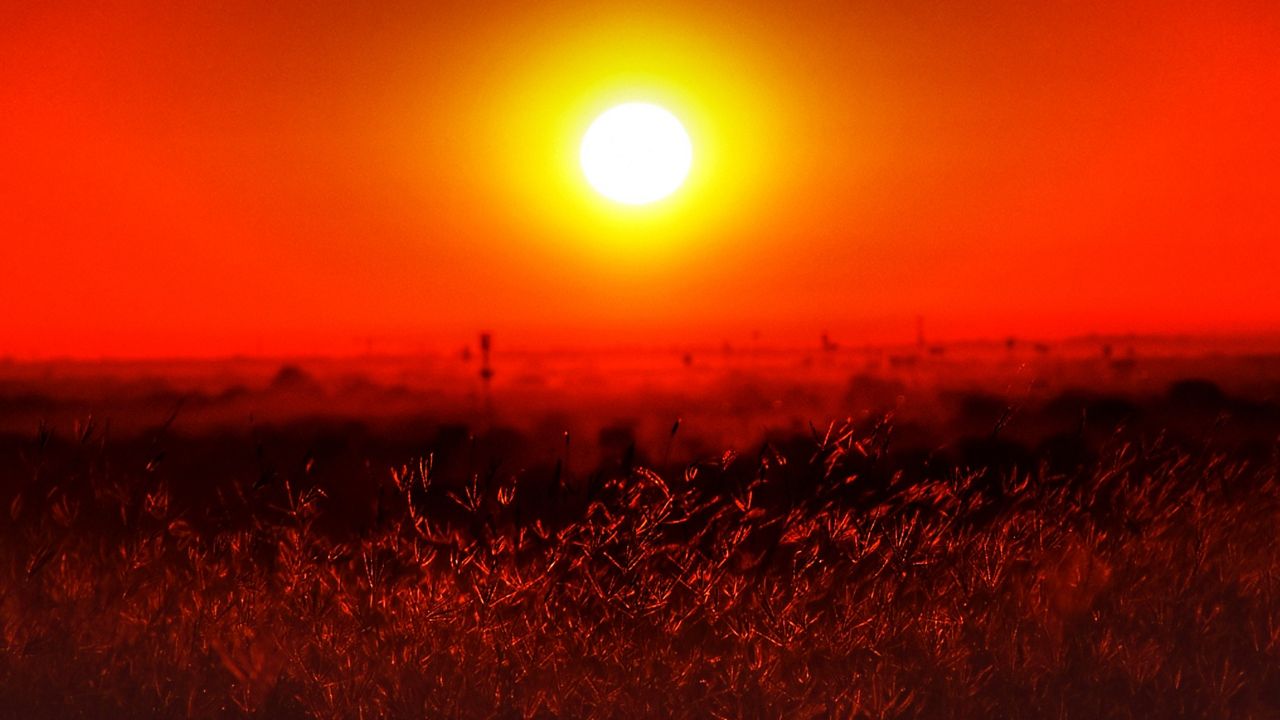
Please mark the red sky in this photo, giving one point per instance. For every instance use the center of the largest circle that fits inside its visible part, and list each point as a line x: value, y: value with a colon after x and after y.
x: 298, y: 177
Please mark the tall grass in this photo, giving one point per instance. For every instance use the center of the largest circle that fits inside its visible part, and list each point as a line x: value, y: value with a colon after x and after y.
x: 814, y: 579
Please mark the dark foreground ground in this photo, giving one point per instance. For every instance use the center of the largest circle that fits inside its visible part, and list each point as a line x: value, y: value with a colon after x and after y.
x: 1098, y: 541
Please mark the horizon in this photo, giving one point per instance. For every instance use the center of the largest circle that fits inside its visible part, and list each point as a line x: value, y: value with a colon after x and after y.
x: 1145, y: 344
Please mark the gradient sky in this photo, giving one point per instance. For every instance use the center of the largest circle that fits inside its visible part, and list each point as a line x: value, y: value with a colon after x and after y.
x: 205, y: 179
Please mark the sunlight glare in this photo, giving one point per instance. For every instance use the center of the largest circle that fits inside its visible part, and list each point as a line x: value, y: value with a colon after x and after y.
x: 636, y: 153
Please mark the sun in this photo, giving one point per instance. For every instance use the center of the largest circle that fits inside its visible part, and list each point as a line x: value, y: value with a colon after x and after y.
x: 636, y: 153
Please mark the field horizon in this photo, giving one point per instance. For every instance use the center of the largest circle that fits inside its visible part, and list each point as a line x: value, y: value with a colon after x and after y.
x: 987, y: 529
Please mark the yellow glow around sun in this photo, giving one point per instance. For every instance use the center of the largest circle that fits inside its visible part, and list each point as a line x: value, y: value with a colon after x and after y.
x: 636, y: 153
x: 518, y: 140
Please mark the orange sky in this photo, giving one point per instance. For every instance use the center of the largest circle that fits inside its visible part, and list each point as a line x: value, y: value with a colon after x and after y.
x: 293, y: 177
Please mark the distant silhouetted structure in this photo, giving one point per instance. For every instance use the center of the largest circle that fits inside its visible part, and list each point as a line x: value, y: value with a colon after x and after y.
x: 291, y: 378
x: 486, y: 370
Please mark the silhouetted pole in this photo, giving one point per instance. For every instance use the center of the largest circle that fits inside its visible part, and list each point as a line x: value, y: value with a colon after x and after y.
x: 486, y: 371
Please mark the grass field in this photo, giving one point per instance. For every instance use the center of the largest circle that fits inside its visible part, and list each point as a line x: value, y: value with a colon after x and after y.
x: 1070, y: 555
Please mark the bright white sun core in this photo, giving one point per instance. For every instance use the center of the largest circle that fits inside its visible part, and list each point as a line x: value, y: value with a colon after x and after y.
x: 636, y: 153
